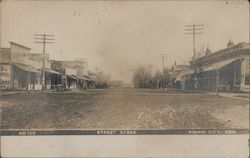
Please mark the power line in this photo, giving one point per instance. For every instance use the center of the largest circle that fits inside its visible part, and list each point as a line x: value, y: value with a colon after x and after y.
x: 194, y: 30
x: 43, y: 39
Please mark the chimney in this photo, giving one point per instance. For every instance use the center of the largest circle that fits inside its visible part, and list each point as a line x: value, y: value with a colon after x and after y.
x: 174, y: 63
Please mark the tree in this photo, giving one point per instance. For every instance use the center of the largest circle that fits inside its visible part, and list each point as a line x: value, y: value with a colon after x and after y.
x: 146, y: 77
x: 103, y: 80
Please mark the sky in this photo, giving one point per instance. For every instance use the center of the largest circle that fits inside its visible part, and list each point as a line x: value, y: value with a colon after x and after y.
x: 116, y: 36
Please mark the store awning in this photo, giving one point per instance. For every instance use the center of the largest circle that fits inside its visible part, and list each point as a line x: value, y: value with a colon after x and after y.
x: 86, y: 78
x: 73, y: 77
x: 219, y: 65
x: 27, y: 68
x: 52, y: 71
x: 81, y: 78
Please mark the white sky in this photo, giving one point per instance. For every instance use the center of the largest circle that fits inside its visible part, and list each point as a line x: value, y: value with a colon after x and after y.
x: 116, y: 36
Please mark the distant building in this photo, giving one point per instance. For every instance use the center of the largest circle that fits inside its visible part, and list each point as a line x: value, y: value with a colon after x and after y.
x: 93, y: 79
x: 74, y: 73
x: 52, y: 78
x: 175, y: 75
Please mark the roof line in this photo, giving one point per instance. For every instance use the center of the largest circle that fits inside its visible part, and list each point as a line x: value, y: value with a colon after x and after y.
x: 11, y: 42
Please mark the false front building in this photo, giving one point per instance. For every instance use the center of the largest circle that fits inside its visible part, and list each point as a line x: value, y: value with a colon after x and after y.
x: 22, y: 70
x: 14, y: 70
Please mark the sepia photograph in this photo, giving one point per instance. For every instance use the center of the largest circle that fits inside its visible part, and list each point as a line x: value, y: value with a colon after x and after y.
x: 125, y: 67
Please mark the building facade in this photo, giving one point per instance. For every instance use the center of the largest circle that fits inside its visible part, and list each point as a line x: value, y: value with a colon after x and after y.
x: 74, y: 73
x: 14, y: 70
x: 21, y: 69
x: 223, y: 70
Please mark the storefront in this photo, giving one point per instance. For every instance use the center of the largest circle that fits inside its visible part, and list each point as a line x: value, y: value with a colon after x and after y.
x: 230, y: 75
x: 24, y: 77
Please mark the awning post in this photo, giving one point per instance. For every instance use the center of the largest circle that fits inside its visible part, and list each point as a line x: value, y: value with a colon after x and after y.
x: 217, y: 81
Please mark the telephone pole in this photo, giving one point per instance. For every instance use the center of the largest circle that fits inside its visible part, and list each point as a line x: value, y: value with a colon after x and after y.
x: 194, y: 30
x: 163, y: 57
x: 43, y: 39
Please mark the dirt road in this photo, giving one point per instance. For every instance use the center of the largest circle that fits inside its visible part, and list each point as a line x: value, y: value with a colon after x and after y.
x: 122, y: 109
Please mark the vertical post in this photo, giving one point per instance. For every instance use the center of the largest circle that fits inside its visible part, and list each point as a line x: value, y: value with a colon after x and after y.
x: 28, y: 81
x: 234, y: 77
x: 42, y: 39
x: 242, y: 73
x: 1, y: 118
x: 194, y: 42
x: 163, y: 57
x: 163, y: 74
x: 217, y: 81
x: 194, y: 30
x: 43, y: 71
x: 11, y: 76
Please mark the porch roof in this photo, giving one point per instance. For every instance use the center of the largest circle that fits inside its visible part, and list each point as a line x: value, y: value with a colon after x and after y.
x: 81, y: 78
x: 27, y: 68
x: 85, y: 78
x: 73, y: 77
x: 219, y: 65
x: 52, y: 71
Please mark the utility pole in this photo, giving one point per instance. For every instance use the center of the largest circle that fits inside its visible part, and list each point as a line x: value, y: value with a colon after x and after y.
x: 163, y: 57
x: 43, y: 39
x: 194, y: 30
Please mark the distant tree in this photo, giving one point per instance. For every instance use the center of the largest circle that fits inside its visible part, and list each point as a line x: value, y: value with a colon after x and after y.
x: 116, y: 83
x: 139, y: 77
x: 103, y: 80
x: 157, y: 79
x: 144, y: 77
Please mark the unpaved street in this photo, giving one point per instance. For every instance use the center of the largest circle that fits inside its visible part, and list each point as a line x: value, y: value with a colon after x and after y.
x: 122, y: 109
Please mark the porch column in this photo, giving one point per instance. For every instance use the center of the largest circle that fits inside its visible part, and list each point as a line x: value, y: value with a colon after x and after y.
x: 38, y: 80
x: 28, y: 81
x: 11, y: 76
x: 217, y: 81
x: 242, y: 72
